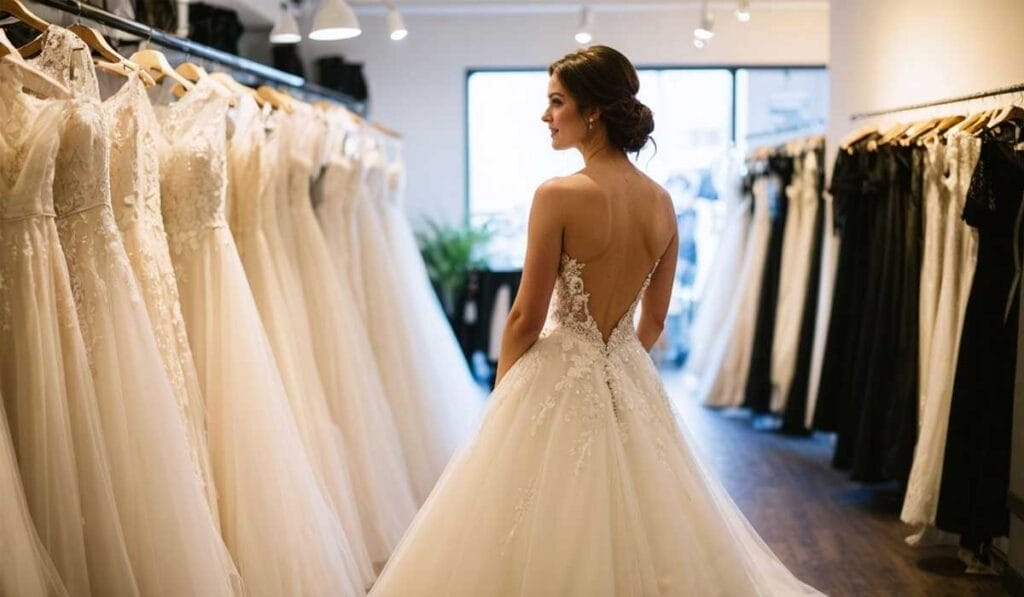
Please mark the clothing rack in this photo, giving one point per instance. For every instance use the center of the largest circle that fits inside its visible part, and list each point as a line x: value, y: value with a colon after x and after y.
x: 150, y: 34
x: 809, y: 127
x: 952, y: 100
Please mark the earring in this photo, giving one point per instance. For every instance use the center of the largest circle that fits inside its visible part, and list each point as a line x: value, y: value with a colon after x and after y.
x: 590, y: 125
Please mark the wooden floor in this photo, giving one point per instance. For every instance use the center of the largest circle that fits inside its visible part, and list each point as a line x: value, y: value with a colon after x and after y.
x: 839, y: 536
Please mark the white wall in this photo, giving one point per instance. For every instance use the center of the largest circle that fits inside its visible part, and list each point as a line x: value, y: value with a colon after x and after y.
x: 418, y: 86
x: 887, y: 54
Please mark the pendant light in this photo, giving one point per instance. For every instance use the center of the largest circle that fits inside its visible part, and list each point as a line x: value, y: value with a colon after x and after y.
x: 286, y: 29
x: 395, y: 24
x: 706, y: 29
x: 335, y: 20
x: 743, y: 11
x: 583, y: 35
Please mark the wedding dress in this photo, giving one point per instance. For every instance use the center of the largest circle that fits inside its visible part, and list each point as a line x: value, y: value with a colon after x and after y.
x: 416, y: 392
x: 275, y: 518
x: 582, y: 482
x: 163, y: 510
x: 253, y: 163
x: 135, y: 193
x: 347, y: 364
x: 724, y: 384
x: 44, y: 372
x: 25, y: 569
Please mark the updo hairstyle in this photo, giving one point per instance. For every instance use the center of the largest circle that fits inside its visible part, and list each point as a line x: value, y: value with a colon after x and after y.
x: 601, y: 77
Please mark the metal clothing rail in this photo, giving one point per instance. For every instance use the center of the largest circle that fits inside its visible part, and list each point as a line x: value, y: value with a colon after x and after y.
x: 810, y: 127
x: 145, y: 32
x: 952, y: 100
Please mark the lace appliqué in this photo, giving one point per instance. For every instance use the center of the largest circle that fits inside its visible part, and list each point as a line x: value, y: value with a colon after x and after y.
x: 524, y: 501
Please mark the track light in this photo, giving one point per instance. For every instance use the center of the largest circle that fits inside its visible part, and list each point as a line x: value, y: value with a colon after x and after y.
x: 699, y: 43
x: 335, y: 20
x: 583, y: 35
x: 706, y: 29
x: 743, y: 11
x: 396, y: 25
x: 286, y: 30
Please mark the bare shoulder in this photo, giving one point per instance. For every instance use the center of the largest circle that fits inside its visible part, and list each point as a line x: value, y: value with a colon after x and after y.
x: 561, y: 193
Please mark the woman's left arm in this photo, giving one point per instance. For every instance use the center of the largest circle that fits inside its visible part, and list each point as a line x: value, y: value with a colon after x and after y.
x: 540, y: 269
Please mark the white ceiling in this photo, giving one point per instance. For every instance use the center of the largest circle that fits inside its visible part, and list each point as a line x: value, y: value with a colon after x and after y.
x: 559, y: 6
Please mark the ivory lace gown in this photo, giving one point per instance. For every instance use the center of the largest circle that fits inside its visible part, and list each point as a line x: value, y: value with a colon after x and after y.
x: 347, y: 364
x: 135, y: 193
x: 418, y: 395
x: 162, y: 506
x: 45, y: 379
x: 275, y: 518
x: 254, y: 169
x: 582, y: 482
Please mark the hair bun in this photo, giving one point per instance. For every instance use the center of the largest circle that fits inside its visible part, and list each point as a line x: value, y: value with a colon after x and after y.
x: 629, y: 123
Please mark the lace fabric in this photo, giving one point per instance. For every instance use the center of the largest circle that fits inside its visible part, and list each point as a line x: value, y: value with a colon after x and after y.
x: 582, y: 482
x: 275, y: 516
x: 135, y: 143
x: 163, y: 511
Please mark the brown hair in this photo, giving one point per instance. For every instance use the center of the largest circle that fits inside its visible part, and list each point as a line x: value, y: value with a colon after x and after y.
x: 601, y: 77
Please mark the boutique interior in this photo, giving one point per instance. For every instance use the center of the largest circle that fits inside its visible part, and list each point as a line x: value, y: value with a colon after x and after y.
x: 257, y: 258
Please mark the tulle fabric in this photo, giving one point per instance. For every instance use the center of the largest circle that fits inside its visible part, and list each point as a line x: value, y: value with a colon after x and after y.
x: 581, y: 482
x: 724, y: 381
x: 254, y: 171
x: 25, y: 568
x: 418, y: 396
x: 135, y: 197
x: 44, y: 373
x: 351, y: 379
x: 275, y: 518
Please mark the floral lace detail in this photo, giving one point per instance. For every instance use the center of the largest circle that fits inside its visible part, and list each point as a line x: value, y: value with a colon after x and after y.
x: 193, y: 169
x: 28, y: 146
x: 135, y: 192
x: 524, y: 500
x: 67, y: 58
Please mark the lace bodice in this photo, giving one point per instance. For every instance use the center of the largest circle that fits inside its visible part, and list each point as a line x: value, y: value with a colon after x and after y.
x: 28, y: 146
x: 570, y: 309
x: 135, y: 147
x: 193, y: 168
x: 83, y: 142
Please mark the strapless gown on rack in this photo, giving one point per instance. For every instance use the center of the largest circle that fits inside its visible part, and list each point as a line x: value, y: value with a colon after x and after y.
x: 582, y: 482
x: 275, y: 518
x: 162, y: 506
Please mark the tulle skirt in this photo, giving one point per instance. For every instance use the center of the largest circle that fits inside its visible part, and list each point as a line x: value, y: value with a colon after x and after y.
x: 571, y: 488
x: 275, y: 517
x: 160, y: 499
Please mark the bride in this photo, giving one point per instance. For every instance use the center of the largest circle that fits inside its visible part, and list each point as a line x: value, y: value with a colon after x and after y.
x: 581, y: 481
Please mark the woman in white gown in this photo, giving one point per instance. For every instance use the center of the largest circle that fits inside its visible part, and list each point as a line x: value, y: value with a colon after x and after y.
x: 581, y: 481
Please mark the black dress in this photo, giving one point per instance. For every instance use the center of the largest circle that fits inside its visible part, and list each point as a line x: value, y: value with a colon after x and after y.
x: 976, y: 467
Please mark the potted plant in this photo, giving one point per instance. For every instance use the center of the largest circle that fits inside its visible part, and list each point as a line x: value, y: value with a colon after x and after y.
x: 450, y: 253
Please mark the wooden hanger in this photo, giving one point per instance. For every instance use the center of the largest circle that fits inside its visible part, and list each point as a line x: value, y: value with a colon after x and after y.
x: 860, y: 134
x: 32, y: 78
x: 918, y: 130
x: 155, y: 63
x: 18, y: 10
x: 387, y: 131
x: 1005, y: 114
x: 893, y: 133
x: 230, y: 82
x: 941, y: 127
x: 279, y: 100
x: 980, y: 123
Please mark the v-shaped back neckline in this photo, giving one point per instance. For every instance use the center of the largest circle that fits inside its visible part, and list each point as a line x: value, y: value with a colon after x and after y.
x: 575, y: 270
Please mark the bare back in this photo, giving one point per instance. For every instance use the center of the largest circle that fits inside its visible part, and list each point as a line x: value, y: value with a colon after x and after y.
x: 619, y: 224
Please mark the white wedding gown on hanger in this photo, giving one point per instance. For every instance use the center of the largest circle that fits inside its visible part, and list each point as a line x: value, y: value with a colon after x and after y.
x: 429, y: 427
x: 581, y: 482
x: 172, y: 541
x: 275, y: 518
x: 346, y: 361
x: 48, y: 392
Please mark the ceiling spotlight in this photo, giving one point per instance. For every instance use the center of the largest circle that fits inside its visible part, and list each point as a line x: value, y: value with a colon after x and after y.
x: 396, y: 25
x: 334, y: 20
x: 699, y: 43
x: 743, y: 11
x: 583, y: 35
x: 706, y: 29
x: 286, y: 30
